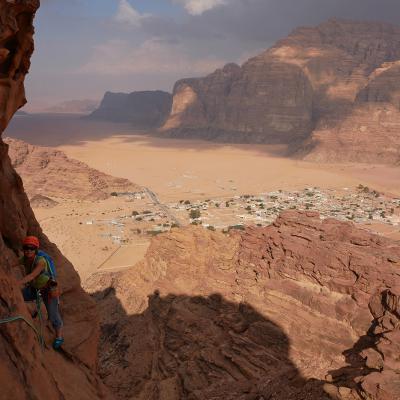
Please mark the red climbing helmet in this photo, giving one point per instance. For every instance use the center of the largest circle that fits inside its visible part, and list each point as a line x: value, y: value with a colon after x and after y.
x: 31, y: 241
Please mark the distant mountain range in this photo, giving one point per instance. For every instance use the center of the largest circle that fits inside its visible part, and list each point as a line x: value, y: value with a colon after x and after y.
x: 148, y: 109
x: 73, y: 107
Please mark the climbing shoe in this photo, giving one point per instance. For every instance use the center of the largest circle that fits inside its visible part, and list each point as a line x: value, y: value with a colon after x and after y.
x: 58, y: 343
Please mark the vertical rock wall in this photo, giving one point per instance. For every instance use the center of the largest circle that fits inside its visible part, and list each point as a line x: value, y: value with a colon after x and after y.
x: 27, y: 371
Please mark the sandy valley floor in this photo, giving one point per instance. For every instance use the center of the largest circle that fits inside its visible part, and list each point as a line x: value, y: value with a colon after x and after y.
x: 174, y: 170
x: 177, y: 169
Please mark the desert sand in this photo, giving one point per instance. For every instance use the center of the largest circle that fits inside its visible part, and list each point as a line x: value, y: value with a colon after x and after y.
x: 177, y: 169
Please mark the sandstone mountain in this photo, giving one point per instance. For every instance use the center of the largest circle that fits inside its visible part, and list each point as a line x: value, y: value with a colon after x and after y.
x: 50, y: 172
x: 302, y: 309
x: 331, y: 92
x: 148, y: 109
x: 27, y: 371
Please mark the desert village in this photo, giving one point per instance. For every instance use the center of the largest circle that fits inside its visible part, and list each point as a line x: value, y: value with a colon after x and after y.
x: 361, y: 205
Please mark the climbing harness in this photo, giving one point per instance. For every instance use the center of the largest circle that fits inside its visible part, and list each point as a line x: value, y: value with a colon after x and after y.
x: 39, y: 333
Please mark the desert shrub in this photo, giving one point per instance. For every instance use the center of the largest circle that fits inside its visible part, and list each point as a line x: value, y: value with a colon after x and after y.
x: 211, y: 228
x: 134, y: 213
x: 195, y: 213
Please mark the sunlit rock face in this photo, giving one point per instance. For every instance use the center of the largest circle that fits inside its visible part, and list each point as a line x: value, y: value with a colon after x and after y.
x: 26, y: 371
x: 302, y: 309
x: 244, y: 104
x: 321, y: 90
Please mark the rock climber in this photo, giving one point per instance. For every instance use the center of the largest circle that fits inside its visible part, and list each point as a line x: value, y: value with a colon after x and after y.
x: 40, y: 280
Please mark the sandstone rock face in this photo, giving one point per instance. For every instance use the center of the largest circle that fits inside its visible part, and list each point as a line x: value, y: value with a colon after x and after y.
x: 329, y: 91
x: 16, y: 47
x: 383, y: 86
x: 50, y: 172
x: 265, y: 100
x: 370, y: 130
x: 144, y: 110
x: 27, y: 372
x: 302, y: 309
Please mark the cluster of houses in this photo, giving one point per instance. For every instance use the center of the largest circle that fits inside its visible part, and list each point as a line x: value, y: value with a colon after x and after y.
x: 360, y: 205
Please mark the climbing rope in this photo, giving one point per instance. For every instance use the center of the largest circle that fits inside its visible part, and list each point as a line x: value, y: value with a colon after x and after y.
x: 39, y: 333
x: 20, y: 317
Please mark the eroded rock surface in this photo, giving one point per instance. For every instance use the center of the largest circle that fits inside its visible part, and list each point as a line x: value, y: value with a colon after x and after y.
x: 50, y: 172
x: 302, y: 309
x: 27, y: 372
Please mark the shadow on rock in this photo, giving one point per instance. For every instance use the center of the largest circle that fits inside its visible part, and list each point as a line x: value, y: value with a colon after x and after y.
x: 195, y: 347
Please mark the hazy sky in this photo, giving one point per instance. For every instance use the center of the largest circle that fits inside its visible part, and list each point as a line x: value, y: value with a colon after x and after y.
x: 85, y: 47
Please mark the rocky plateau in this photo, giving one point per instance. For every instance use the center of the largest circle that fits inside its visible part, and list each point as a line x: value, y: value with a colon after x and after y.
x: 50, y: 172
x: 144, y: 110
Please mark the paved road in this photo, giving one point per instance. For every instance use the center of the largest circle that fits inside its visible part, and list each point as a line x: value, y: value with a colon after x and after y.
x: 163, y: 207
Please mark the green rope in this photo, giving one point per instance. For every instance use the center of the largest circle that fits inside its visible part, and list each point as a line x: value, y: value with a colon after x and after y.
x: 20, y: 317
x: 39, y: 334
